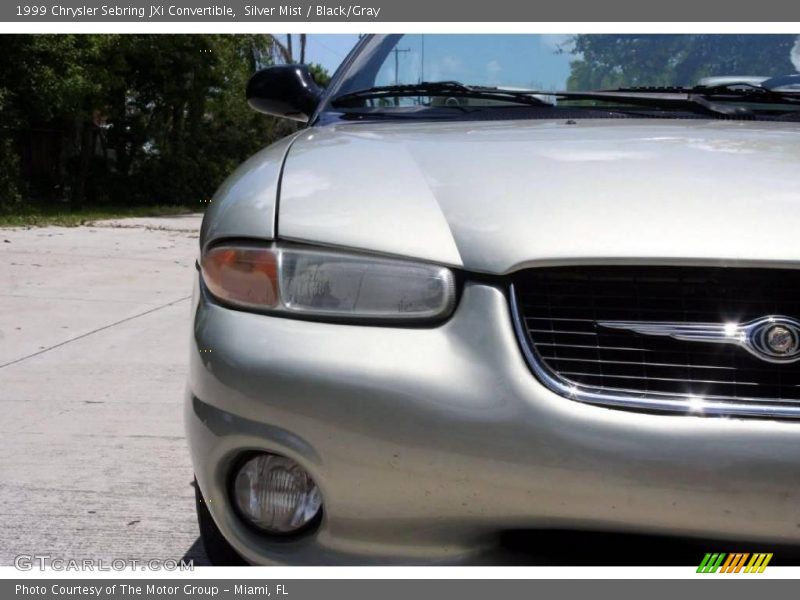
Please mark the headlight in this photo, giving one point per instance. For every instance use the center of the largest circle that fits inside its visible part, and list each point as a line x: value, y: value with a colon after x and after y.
x: 327, y: 284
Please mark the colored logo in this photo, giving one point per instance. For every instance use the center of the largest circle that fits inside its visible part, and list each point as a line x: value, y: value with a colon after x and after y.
x: 737, y: 562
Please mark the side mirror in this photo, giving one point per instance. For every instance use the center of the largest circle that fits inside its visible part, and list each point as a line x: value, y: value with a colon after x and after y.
x: 287, y: 91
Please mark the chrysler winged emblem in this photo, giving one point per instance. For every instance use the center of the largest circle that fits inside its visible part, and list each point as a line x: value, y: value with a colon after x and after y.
x: 774, y: 339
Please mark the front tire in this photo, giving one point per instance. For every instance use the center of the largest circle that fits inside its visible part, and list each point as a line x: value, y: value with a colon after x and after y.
x: 220, y: 553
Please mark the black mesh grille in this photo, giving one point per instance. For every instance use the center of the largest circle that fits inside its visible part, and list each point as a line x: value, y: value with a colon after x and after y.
x: 560, y: 308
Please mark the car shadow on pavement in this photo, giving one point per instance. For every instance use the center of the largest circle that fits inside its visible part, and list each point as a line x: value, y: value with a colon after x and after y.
x: 605, y: 549
x: 599, y: 549
x: 197, y: 554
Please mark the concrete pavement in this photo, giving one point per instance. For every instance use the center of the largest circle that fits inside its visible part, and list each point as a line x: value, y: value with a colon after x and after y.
x: 94, y: 332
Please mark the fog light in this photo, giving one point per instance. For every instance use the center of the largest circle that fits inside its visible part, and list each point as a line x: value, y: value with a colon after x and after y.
x: 276, y: 494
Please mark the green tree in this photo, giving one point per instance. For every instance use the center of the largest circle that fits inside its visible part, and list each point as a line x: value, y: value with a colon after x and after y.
x: 320, y: 75
x: 49, y: 84
x: 128, y: 118
x: 609, y: 61
x: 10, y: 177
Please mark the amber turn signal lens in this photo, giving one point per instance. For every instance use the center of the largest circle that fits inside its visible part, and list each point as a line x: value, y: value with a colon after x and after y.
x: 242, y: 275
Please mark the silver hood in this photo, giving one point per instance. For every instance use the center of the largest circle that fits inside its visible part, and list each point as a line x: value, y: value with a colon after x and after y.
x: 497, y: 196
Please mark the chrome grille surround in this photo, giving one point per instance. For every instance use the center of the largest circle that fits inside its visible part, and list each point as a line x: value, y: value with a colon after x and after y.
x: 636, y: 396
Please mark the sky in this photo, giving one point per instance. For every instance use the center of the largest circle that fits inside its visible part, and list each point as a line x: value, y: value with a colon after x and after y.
x: 524, y: 60
x: 329, y: 49
x: 529, y: 61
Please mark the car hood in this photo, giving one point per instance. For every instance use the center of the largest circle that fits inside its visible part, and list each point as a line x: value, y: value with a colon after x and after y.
x: 497, y: 196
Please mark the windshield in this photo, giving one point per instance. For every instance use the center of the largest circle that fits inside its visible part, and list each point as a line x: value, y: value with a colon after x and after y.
x: 547, y: 62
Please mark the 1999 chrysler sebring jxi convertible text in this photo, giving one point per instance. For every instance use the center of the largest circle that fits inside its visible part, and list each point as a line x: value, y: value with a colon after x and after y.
x: 459, y: 303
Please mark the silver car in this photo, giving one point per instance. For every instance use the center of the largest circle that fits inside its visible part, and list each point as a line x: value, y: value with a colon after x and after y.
x: 459, y: 302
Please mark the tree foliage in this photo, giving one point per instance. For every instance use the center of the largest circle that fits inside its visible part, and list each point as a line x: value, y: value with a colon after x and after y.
x: 127, y: 118
x: 610, y: 61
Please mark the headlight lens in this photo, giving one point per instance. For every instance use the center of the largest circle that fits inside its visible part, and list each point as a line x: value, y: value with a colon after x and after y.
x: 325, y: 283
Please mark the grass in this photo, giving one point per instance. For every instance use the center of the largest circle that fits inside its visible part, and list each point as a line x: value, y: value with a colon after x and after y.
x: 64, y: 216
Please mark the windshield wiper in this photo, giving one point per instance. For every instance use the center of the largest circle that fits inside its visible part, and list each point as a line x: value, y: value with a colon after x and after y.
x: 720, y: 99
x: 658, y: 98
x: 451, y: 89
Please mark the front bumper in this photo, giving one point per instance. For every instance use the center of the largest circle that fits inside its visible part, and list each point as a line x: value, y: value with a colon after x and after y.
x: 427, y: 442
